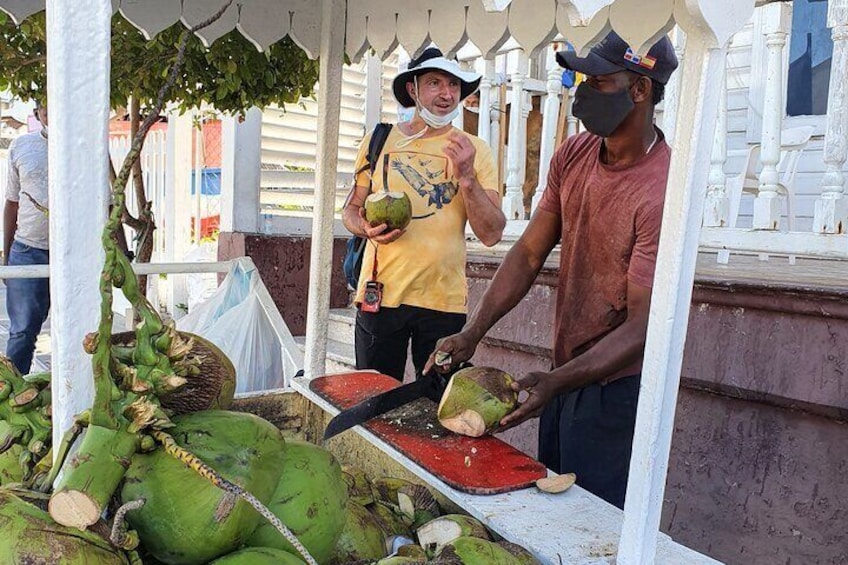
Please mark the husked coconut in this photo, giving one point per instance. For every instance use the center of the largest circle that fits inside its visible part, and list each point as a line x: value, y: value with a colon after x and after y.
x: 476, y: 399
x: 556, y: 483
x: 391, y: 208
x: 441, y: 531
x: 417, y: 505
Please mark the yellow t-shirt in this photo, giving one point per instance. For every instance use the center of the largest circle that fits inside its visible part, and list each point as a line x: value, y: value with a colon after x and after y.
x: 425, y: 267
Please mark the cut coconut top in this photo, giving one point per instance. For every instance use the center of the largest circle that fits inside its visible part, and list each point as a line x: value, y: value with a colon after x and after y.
x: 377, y: 196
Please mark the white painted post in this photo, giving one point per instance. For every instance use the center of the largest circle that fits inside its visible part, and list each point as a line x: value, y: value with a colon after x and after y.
x: 373, y: 91
x: 78, y: 104
x: 513, y: 202
x: 777, y: 22
x: 675, y: 271
x: 177, y: 224
x: 241, y: 160
x: 715, y: 211
x: 672, y: 89
x: 486, y: 68
x: 831, y: 213
x: 550, y: 119
x: 329, y: 109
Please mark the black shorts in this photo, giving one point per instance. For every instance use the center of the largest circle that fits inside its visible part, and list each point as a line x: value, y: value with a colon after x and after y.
x: 589, y: 432
x: 382, y: 338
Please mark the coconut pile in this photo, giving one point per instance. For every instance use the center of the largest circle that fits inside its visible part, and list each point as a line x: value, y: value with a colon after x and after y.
x: 397, y: 522
x: 217, y: 487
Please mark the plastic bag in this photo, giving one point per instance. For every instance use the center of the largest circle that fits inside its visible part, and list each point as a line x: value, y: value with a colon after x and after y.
x: 242, y: 320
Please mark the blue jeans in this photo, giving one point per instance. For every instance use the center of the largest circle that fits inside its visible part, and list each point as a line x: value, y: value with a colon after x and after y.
x: 28, y: 302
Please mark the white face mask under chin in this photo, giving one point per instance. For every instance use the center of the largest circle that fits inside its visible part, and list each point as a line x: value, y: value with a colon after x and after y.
x: 436, y: 121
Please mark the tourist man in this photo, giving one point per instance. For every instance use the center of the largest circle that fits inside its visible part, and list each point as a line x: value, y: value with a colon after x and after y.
x: 412, y: 285
x: 25, y: 240
x: 603, y: 203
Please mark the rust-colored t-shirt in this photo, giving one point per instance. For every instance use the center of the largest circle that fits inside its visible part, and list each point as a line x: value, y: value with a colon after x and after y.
x: 611, y: 220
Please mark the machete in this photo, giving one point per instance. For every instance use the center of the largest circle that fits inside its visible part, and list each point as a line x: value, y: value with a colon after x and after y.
x: 431, y: 385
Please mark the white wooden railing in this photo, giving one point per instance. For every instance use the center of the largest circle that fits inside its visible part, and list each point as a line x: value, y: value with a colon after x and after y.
x: 826, y: 237
x: 292, y: 358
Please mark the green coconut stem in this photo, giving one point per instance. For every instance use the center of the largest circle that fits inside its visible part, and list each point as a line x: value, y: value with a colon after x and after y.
x: 68, y: 439
x: 198, y: 466
x: 92, y: 477
x: 475, y: 400
x: 116, y: 269
x: 120, y: 535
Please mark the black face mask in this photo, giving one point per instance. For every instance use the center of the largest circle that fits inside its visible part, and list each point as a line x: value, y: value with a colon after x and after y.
x: 601, y: 112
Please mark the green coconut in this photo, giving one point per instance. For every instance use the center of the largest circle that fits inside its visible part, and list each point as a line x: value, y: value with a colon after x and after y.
x: 358, y: 486
x: 476, y: 399
x: 30, y: 537
x: 310, y: 499
x: 362, y: 538
x: 258, y: 556
x: 475, y: 551
x: 386, y: 489
x: 11, y: 470
x: 391, y: 522
x: 188, y: 520
x: 391, y: 208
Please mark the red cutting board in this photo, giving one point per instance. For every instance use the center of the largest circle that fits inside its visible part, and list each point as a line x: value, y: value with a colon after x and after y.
x: 483, y: 465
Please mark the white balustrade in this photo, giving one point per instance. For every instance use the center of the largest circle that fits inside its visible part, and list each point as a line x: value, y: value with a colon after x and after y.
x: 513, y: 202
x: 715, y: 211
x: 550, y: 119
x: 486, y: 68
x: 776, y: 25
x: 831, y: 212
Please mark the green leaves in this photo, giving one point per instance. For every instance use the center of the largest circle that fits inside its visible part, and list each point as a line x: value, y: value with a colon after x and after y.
x: 231, y: 74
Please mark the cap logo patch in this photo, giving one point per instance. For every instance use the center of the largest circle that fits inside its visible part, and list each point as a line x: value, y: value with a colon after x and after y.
x: 647, y: 61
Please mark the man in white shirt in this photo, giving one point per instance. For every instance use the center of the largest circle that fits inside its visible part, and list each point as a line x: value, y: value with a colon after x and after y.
x: 25, y: 241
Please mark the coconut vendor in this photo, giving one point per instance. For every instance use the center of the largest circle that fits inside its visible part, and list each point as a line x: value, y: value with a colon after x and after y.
x: 412, y: 284
x: 603, y: 203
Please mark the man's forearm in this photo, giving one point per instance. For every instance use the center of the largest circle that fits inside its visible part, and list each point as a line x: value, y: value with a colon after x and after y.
x: 618, y: 349
x: 485, y: 218
x: 351, y: 220
x: 510, y: 284
x: 10, y: 225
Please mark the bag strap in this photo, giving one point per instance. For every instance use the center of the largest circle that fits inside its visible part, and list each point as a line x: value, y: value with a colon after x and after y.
x: 375, y: 147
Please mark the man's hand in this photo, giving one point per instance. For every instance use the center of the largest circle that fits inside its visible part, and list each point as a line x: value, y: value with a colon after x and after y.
x: 461, y: 152
x: 378, y: 234
x: 451, y: 351
x: 541, y: 388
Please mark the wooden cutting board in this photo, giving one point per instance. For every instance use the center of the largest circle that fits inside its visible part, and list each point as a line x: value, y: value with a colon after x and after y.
x: 484, y: 465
